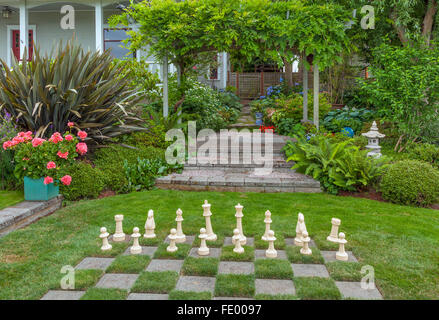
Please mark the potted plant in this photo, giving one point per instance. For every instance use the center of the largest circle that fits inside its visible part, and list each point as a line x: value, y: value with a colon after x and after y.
x: 39, y: 161
x: 257, y: 107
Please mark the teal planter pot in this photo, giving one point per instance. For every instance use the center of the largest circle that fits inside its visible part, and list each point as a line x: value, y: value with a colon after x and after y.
x: 36, y: 190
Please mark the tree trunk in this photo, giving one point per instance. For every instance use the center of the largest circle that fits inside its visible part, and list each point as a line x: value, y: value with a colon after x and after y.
x: 399, y: 29
x: 429, y: 20
x: 288, y: 74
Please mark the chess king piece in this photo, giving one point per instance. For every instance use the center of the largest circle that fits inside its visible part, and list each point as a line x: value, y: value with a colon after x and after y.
x: 104, y: 236
x: 180, y: 235
x: 341, y: 253
x: 239, y: 216
x: 203, y: 250
x: 236, y: 240
x: 136, y: 248
x: 118, y: 236
x: 305, y: 241
x: 172, y: 240
x: 271, y: 252
x: 150, y: 226
x: 333, y: 236
x: 268, y: 222
x: 300, y: 229
x: 207, y: 213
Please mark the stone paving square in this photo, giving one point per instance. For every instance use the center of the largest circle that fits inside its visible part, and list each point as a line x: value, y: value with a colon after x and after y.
x: 95, y: 263
x: 281, y: 254
x: 230, y: 267
x: 165, y: 265
x: 213, y: 253
x: 147, y: 251
x: 329, y: 256
x: 290, y: 242
x: 310, y: 270
x: 196, y: 284
x: 147, y: 296
x: 189, y: 240
x: 63, y: 295
x: 274, y: 287
x: 117, y: 281
x: 228, y: 241
x: 354, y: 290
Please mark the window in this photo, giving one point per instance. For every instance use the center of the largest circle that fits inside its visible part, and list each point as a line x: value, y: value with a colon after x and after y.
x: 113, y: 40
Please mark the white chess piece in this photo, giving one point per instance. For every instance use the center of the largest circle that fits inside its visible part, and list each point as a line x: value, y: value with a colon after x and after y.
x: 239, y: 216
x: 207, y: 213
x: 300, y: 229
x: 118, y: 236
x: 203, y: 250
x: 268, y: 222
x: 180, y: 237
x: 236, y: 237
x: 333, y: 236
x: 341, y: 253
x: 305, y: 241
x: 271, y: 252
x: 136, y: 248
x: 172, y: 240
x: 150, y: 226
x: 104, y: 236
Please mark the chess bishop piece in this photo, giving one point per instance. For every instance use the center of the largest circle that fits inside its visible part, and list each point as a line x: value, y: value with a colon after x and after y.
x: 150, y: 226
x: 136, y: 248
x: 236, y: 239
x: 300, y: 229
x: 341, y: 253
x: 104, y: 236
x: 118, y: 236
x: 267, y: 222
x: 172, y: 240
x: 333, y: 236
x: 180, y: 237
x: 207, y: 214
x: 305, y: 241
x: 239, y: 216
x: 203, y: 250
x: 271, y: 252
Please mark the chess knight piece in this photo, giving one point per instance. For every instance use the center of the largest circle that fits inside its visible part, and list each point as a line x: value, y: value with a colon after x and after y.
x: 300, y: 229
x: 150, y: 226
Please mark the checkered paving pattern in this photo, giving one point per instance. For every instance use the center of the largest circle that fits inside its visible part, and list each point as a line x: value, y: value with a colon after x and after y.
x: 220, y: 275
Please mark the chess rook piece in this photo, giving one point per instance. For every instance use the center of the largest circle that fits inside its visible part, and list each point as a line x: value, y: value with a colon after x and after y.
x: 271, y: 252
x: 239, y: 216
x: 118, y: 236
x: 104, y: 236
x: 136, y: 248
x: 268, y: 222
x: 236, y: 240
x: 172, y: 240
x: 150, y: 226
x: 180, y: 235
x: 305, y: 241
x: 203, y: 250
x: 207, y: 213
x: 333, y: 236
x: 341, y: 253
x: 300, y: 229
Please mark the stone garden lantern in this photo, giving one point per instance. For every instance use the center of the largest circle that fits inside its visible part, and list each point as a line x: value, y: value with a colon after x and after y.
x: 374, y: 138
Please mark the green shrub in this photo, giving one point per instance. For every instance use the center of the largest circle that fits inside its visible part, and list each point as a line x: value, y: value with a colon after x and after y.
x: 411, y: 182
x: 87, y: 182
x: 8, y: 130
x: 425, y: 152
x: 336, y: 120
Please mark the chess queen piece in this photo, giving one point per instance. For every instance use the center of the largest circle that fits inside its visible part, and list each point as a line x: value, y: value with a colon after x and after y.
x: 207, y: 214
x: 172, y: 240
x: 271, y: 252
x: 305, y: 241
x: 300, y: 229
x: 180, y: 237
x: 267, y: 222
x: 341, y: 253
x: 150, y: 226
x: 104, y: 236
x: 136, y: 248
x: 239, y: 216
x: 203, y: 250
x: 118, y: 236
x: 333, y: 236
x: 236, y: 240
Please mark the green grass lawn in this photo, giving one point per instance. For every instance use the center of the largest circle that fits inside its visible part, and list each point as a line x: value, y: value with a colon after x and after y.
x: 9, y: 198
x: 401, y: 243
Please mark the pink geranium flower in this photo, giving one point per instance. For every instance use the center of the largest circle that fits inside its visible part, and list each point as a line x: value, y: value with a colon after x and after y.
x: 82, y: 135
x: 81, y: 148
x: 37, y: 141
x: 70, y: 124
x: 63, y: 155
x: 66, y: 180
x: 51, y: 165
x: 56, y: 137
x: 48, y: 180
x: 68, y: 137
x: 7, y: 144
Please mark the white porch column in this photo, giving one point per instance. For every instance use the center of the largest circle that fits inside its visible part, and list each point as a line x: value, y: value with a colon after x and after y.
x: 225, y: 74
x: 305, y: 90
x: 24, y: 28
x: 99, y: 26
x: 316, y: 95
x: 165, y: 87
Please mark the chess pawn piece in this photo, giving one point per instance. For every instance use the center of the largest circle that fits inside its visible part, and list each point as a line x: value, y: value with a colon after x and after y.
x: 300, y: 229
x: 239, y: 216
x: 271, y: 252
x: 236, y: 239
x: 150, y: 226
x: 180, y: 237
x: 341, y: 253
x: 203, y: 250
x: 136, y: 248
x: 172, y: 240
x: 118, y: 236
x: 207, y: 213
x: 333, y: 236
x: 104, y: 236
x: 305, y: 241
x: 268, y: 222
